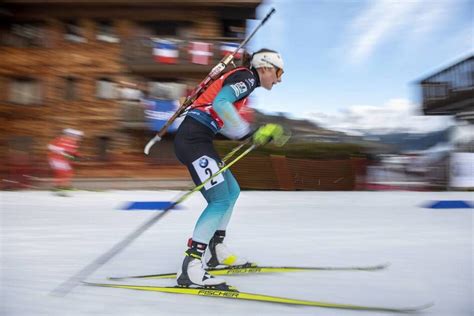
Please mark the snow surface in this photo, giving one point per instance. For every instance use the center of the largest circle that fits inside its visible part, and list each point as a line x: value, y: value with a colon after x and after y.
x: 45, y: 239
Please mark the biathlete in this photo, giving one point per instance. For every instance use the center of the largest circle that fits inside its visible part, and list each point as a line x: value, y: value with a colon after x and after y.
x: 220, y: 109
x: 63, y: 150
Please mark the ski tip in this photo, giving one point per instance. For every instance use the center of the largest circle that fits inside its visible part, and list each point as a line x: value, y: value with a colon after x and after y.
x: 384, y: 265
x: 88, y: 283
x: 97, y: 284
x: 427, y: 305
x: 418, y: 308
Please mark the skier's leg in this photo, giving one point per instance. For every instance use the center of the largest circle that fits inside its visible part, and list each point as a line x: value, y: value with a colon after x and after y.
x: 234, y: 192
x: 219, y: 201
x: 62, y: 172
x: 218, y: 253
x: 67, y: 176
x: 219, y: 205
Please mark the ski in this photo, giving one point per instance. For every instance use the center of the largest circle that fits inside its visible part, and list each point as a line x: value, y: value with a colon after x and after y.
x: 258, y: 269
x: 234, y: 294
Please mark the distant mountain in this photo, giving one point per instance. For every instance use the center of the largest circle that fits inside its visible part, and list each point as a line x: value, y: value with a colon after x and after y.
x: 301, y: 129
x: 310, y: 131
x: 411, y: 141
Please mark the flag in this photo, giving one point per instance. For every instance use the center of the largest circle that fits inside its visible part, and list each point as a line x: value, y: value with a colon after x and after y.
x: 165, y: 51
x: 229, y: 48
x: 200, y: 52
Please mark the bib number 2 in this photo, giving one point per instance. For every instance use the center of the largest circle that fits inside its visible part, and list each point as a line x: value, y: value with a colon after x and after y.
x: 206, y: 167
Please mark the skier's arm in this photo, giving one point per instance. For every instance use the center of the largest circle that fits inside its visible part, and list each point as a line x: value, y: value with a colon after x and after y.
x: 235, y: 126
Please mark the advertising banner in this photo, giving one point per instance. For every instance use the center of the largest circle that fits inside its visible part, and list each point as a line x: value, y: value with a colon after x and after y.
x: 158, y: 112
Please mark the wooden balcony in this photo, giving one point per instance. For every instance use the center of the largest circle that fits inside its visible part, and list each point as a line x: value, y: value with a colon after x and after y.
x: 138, y: 57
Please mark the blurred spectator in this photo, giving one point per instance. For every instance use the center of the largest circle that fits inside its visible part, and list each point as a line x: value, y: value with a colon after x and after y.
x: 63, y: 150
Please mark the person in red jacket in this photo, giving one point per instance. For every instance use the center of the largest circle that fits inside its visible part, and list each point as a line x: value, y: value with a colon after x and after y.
x: 62, y: 150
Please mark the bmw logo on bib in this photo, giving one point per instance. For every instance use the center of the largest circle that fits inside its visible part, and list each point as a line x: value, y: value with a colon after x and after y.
x: 203, y: 162
x: 206, y: 167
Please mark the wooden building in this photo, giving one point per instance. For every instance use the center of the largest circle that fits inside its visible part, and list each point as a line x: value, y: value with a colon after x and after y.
x: 450, y: 91
x: 83, y: 64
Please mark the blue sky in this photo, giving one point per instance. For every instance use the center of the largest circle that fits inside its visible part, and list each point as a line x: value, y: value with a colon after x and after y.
x: 355, y: 62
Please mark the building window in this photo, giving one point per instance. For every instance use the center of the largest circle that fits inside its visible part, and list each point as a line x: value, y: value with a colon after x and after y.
x: 25, y: 91
x: 74, y: 32
x: 106, y: 89
x: 106, y: 32
x: 70, y: 91
x: 103, y: 148
x: 22, y: 35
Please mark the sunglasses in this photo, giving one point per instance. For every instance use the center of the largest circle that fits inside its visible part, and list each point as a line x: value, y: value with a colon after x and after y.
x: 279, y: 72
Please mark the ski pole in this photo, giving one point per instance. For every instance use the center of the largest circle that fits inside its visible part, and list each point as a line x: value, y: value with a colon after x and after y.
x: 199, y: 187
x: 236, y: 149
x: 215, y: 72
x: 69, y: 284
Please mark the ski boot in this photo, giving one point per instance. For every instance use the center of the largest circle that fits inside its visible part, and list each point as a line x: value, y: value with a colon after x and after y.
x: 218, y: 254
x: 192, y: 273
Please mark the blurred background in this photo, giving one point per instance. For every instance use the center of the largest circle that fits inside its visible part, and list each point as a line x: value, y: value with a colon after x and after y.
x: 377, y: 94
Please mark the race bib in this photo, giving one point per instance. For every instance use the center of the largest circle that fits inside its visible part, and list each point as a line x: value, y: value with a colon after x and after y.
x: 205, y: 168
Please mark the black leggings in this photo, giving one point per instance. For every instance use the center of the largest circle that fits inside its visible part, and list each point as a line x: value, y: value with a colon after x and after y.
x: 194, y: 140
